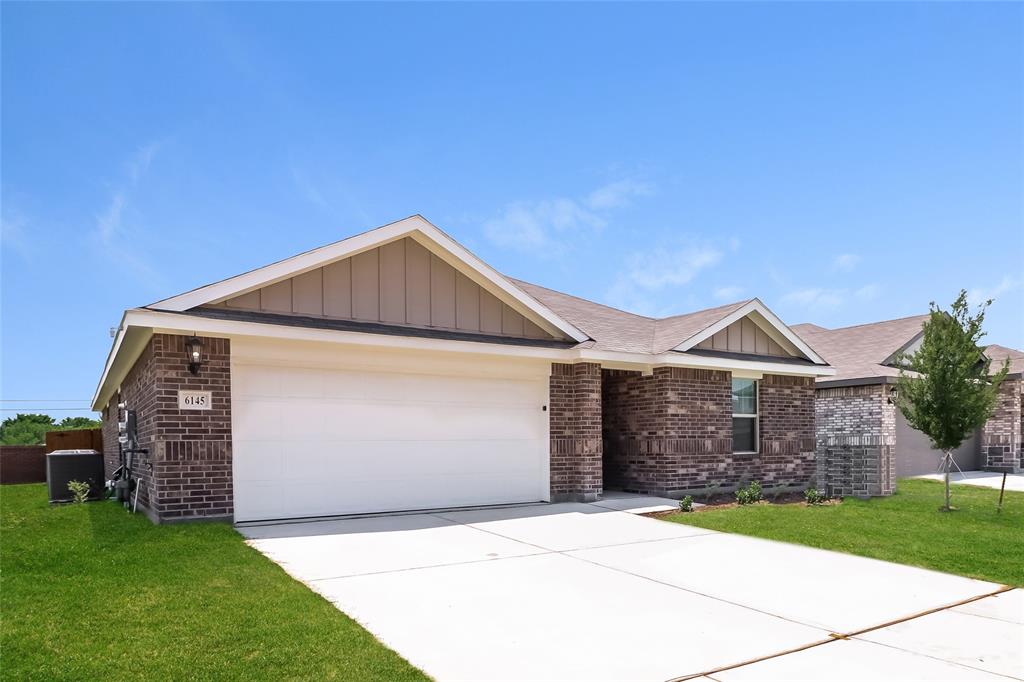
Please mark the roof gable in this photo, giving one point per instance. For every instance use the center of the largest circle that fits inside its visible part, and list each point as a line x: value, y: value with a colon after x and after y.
x: 415, y: 228
x: 710, y: 322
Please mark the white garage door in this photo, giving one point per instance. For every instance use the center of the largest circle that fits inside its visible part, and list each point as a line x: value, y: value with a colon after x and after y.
x: 311, y: 441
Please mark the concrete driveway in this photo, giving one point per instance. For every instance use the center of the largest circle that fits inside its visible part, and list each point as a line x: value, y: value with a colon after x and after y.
x: 591, y: 592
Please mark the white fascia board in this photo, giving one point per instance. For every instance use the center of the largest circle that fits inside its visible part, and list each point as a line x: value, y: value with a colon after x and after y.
x: 140, y: 323
x: 776, y: 328
x: 416, y: 227
x: 674, y: 359
x: 128, y: 345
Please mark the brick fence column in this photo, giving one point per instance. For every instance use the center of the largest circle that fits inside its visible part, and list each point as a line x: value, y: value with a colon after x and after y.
x: 856, y: 436
x: 1001, y: 437
x: 575, y: 432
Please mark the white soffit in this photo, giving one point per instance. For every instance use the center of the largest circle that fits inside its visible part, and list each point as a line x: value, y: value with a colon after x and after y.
x: 764, y: 318
x: 415, y: 227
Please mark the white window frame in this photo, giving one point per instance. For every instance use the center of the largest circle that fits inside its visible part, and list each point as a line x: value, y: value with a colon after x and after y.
x: 756, y: 416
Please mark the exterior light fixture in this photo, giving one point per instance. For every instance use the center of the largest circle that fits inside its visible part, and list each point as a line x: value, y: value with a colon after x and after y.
x: 194, y: 351
x: 894, y: 394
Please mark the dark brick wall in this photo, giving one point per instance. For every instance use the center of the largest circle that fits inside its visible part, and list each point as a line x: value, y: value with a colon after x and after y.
x: 187, y: 473
x: 670, y: 433
x: 855, y: 441
x: 575, y: 431
x: 1001, y: 436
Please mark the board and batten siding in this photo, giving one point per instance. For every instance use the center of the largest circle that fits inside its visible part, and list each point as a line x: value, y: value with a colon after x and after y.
x: 400, y: 282
x: 744, y: 336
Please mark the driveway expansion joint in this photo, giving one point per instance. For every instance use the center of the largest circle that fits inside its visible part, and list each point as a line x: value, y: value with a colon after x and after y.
x: 834, y: 637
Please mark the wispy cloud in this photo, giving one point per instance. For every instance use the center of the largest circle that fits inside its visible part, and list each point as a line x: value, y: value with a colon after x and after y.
x: 647, y: 273
x: 616, y: 194
x: 110, y: 232
x: 817, y: 298
x: 541, y: 227
x: 13, y: 236
x: 846, y: 262
x: 728, y: 293
x: 979, y: 295
x: 308, y: 190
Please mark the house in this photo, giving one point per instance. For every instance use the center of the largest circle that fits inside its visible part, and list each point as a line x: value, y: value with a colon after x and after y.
x: 864, y: 442
x: 394, y: 370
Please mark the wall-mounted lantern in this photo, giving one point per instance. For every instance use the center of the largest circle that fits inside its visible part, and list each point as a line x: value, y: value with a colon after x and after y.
x: 194, y: 351
x: 894, y: 395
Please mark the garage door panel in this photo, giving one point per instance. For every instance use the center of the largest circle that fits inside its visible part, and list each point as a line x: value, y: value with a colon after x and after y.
x: 388, y: 386
x: 257, y: 421
x: 344, y: 442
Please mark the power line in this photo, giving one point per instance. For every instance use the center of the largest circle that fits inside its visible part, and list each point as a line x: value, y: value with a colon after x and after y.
x: 49, y: 409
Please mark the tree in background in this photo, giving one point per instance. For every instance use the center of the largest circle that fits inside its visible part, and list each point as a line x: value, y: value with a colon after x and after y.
x: 31, y: 429
x: 944, y: 389
x: 26, y: 429
x: 72, y: 423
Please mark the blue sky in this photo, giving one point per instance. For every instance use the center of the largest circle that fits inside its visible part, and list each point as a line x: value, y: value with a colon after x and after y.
x: 843, y: 162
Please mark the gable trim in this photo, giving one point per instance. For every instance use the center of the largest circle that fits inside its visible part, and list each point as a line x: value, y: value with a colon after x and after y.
x: 764, y: 318
x: 415, y: 227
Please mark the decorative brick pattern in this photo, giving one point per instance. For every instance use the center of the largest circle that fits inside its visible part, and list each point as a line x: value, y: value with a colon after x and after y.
x: 187, y: 472
x: 670, y: 433
x: 1001, y: 436
x: 856, y: 437
x: 575, y: 431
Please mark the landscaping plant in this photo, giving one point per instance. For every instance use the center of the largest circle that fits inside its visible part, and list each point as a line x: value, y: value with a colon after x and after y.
x: 686, y: 504
x: 945, y: 389
x: 80, y: 490
x: 750, y: 494
x: 813, y: 496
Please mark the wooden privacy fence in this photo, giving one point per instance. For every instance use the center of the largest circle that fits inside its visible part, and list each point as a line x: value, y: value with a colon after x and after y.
x: 27, y: 463
x: 22, y: 463
x: 78, y: 439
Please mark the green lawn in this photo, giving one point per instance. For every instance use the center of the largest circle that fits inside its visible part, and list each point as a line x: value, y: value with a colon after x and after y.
x: 91, y: 592
x: 906, y: 528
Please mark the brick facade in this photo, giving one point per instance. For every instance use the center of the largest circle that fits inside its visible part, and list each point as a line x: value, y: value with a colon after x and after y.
x: 575, y: 431
x: 670, y: 433
x: 855, y: 443
x: 1001, y: 436
x: 187, y: 472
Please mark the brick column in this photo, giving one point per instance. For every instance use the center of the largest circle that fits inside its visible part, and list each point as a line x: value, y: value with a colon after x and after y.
x: 575, y: 432
x: 1001, y: 437
x: 856, y: 436
x: 187, y: 471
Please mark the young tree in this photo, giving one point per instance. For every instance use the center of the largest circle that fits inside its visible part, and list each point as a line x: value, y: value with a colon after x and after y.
x: 945, y: 389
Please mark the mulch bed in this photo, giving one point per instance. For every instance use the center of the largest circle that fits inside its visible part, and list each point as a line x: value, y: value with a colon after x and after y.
x: 728, y: 501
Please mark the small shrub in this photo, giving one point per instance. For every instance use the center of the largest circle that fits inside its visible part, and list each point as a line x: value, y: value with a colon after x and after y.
x: 750, y: 494
x: 686, y: 504
x: 814, y: 496
x: 80, y: 490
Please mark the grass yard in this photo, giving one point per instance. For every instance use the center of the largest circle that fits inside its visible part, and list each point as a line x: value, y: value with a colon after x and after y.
x: 91, y: 592
x: 906, y: 528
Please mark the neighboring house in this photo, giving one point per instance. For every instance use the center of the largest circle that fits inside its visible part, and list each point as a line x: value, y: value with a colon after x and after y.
x: 394, y: 370
x: 864, y: 442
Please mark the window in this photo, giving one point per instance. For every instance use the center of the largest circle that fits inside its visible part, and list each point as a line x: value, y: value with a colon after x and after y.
x: 744, y: 415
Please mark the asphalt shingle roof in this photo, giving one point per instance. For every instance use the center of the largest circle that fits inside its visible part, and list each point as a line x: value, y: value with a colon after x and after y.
x: 858, y: 352
x: 618, y: 330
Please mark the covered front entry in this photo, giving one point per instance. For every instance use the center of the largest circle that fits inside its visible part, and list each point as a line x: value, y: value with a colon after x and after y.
x: 320, y: 431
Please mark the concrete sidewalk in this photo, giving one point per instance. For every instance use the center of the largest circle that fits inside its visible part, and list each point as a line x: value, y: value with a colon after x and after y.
x: 986, y: 479
x: 584, y: 592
